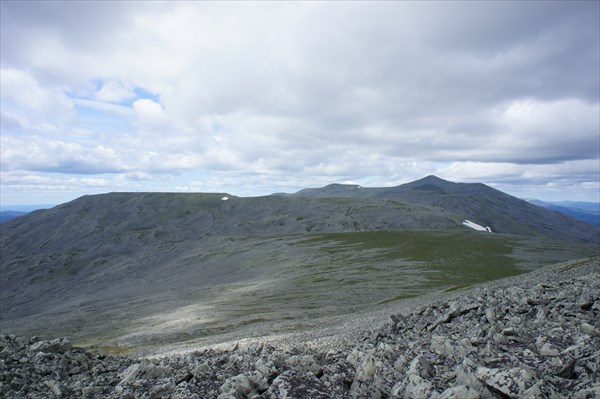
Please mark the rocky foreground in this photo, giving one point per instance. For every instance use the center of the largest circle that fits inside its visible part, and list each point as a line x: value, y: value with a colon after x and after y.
x: 537, y: 336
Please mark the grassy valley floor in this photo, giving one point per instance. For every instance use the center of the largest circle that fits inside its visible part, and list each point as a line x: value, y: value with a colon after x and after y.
x: 230, y: 288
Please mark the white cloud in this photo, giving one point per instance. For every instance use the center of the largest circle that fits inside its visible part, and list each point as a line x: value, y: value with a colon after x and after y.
x: 40, y: 154
x: 150, y: 115
x: 114, y: 91
x: 560, y: 130
x: 90, y: 181
x: 32, y: 184
x: 133, y: 176
x: 575, y: 180
x: 474, y: 171
x: 32, y: 105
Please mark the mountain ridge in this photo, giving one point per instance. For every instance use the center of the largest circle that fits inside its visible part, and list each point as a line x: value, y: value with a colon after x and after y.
x: 89, y: 266
x: 489, y: 206
x: 428, y: 203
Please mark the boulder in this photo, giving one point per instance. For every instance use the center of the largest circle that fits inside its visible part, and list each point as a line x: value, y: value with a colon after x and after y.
x: 60, y: 345
x: 511, y: 383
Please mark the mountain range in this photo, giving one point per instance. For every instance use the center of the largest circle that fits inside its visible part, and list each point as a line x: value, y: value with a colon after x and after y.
x: 7, y: 215
x: 140, y: 269
x: 8, y: 212
x: 588, y: 212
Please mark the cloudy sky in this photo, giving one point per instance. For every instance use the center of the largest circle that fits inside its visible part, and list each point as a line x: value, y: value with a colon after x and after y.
x: 255, y: 98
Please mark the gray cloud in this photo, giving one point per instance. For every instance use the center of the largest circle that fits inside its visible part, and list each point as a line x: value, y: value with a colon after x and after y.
x: 373, y: 92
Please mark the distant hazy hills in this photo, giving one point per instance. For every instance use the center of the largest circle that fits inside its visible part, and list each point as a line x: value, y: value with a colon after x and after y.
x: 99, y: 262
x: 8, y: 212
x: 588, y: 212
x: 7, y: 215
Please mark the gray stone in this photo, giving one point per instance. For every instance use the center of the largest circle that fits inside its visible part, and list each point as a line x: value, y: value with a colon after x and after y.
x: 145, y: 371
x: 400, y: 363
x: 296, y: 385
x: 201, y: 369
x: 420, y: 366
x: 356, y: 356
x: 512, y: 382
x: 55, y: 388
x: 541, y: 389
x: 419, y: 388
x: 446, y: 347
x: 163, y: 389
x: 589, y: 329
x: 490, y: 314
x: 60, y: 345
x: 459, y: 392
x: 266, y: 367
x: 238, y: 387
x: 385, y: 377
x: 548, y: 350
x: 259, y: 381
x: 509, y: 331
x: 363, y: 390
x: 592, y: 392
x: 306, y: 363
x: 366, y: 370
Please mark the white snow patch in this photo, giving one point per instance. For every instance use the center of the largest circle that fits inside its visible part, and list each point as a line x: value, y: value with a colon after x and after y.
x: 224, y: 198
x: 476, y: 226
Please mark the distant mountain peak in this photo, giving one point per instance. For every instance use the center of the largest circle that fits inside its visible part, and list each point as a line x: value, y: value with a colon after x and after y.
x: 431, y: 179
x: 430, y: 182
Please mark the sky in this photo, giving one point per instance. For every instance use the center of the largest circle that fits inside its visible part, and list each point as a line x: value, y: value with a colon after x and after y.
x: 256, y: 98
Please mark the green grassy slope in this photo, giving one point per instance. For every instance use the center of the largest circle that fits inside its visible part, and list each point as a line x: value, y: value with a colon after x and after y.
x: 276, y: 284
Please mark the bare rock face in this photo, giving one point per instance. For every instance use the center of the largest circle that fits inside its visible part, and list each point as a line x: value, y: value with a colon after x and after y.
x: 536, y: 339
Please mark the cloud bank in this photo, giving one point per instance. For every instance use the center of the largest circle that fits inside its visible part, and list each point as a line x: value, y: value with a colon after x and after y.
x: 253, y: 98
